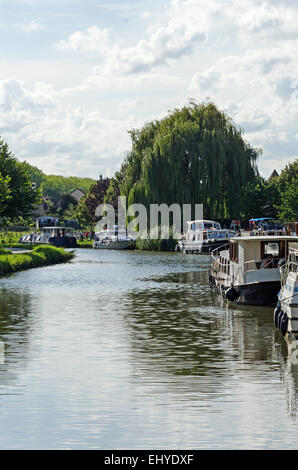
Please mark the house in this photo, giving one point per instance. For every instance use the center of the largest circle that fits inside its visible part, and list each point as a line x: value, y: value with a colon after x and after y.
x: 274, y: 174
x: 42, y: 207
x: 78, y: 194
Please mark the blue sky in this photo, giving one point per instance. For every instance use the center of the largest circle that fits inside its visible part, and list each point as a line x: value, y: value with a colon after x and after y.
x: 76, y: 76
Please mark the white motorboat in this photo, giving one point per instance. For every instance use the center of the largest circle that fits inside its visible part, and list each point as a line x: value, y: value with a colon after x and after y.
x: 115, y: 239
x: 247, y: 269
x: 203, y: 236
x: 57, y: 236
x: 286, y: 310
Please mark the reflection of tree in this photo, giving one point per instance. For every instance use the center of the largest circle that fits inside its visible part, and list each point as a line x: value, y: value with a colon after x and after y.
x: 286, y: 354
x: 173, y: 330
x: 14, y: 327
x: 181, y: 327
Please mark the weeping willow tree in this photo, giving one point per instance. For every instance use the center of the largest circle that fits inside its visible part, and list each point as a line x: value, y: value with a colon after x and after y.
x: 195, y: 155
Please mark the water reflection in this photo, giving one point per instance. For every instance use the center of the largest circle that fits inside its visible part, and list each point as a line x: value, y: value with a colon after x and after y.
x: 286, y: 353
x: 180, y: 328
x: 115, y: 350
x: 189, y: 330
x: 15, y: 311
x: 2, y: 352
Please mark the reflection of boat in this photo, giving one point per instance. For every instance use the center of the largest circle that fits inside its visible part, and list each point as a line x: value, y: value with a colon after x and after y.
x: 116, y: 239
x: 247, y: 269
x: 202, y: 236
x: 286, y: 311
x: 57, y: 236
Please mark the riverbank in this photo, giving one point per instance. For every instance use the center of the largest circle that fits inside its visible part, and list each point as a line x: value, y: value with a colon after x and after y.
x: 38, y: 257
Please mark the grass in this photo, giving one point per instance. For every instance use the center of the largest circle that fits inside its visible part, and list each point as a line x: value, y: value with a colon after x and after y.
x: 4, y: 252
x: 39, y: 256
x: 85, y: 244
x: 10, y: 238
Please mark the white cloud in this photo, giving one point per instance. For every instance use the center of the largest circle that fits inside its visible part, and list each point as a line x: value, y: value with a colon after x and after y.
x: 39, y: 127
x: 34, y: 25
x: 264, y: 17
x: 241, y: 54
x: 93, y: 39
x: 171, y: 39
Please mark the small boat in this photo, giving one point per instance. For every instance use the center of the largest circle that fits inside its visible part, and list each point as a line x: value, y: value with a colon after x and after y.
x: 203, y: 236
x: 246, y: 270
x: 266, y: 226
x: 61, y: 237
x: 115, y: 239
x: 286, y: 311
x: 56, y: 236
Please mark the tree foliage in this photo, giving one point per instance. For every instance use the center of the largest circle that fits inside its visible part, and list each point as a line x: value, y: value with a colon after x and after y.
x: 113, y: 191
x: 87, y: 205
x: 288, y: 189
x: 276, y: 197
x: 56, y: 186
x: 17, y: 198
x: 195, y: 155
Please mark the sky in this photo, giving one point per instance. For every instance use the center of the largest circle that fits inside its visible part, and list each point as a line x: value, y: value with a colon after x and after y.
x: 76, y: 76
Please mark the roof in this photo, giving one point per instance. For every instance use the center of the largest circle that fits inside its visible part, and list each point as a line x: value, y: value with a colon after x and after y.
x: 58, y: 228
x: 202, y: 221
x: 269, y: 238
x: 262, y: 218
x: 274, y: 174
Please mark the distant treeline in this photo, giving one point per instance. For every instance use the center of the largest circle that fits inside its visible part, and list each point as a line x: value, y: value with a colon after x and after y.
x: 56, y: 185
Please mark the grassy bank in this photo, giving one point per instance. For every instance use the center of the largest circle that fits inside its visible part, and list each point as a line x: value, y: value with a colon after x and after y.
x: 11, y: 238
x: 39, y: 256
x: 86, y: 244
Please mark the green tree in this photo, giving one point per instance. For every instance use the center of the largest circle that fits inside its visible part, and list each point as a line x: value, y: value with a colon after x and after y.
x: 195, y: 155
x: 66, y: 201
x: 113, y: 191
x: 35, y: 174
x: 16, y: 182
x: 287, y: 184
x: 259, y: 199
x: 5, y: 193
x: 55, y: 185
x: 288, y: 209
x: 87, y: 205
x: 252, y: 200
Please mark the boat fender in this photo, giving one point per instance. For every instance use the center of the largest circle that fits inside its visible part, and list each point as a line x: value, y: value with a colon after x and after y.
x: 284, y: 324
x: 231, y: 294
x: 276, y: 313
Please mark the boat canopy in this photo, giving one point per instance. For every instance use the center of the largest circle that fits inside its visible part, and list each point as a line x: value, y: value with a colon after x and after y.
x: 261, y: 218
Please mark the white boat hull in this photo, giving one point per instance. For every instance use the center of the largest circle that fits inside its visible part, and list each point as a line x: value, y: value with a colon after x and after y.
x: 205, y: 246
x: 112, y: 245
x: 286, y: 311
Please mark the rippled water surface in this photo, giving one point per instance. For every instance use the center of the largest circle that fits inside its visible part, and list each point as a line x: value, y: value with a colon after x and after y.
x: 130, y: 350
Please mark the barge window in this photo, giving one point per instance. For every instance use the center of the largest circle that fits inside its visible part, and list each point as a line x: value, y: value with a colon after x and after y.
x: 234, y: 252
x: 277, y: 249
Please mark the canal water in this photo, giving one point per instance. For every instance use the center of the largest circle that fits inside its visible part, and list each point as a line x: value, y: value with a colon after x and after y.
x: 133, y: 350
